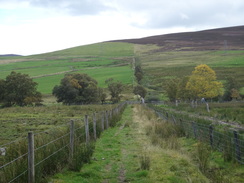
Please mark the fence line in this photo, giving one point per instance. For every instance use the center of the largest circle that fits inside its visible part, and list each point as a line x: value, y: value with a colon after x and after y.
x: 229, y: 142
x: 25, y: 149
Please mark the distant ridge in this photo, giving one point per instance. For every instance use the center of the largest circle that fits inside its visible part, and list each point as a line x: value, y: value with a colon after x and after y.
x: 10, y: 55
x: 230, y: 38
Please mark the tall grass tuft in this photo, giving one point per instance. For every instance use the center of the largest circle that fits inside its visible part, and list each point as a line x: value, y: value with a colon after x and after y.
x: 202, y: 155
x: 82, y: 155
x: 227, y: 147
x: 14, y: 151
x: 164, y: 134
x: 145, y: 162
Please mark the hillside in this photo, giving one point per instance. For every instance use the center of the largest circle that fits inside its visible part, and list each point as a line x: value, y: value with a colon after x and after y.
x: 100, y: 61
x: 162, y: 57
x: 231, y: 38
x: 169, y: 56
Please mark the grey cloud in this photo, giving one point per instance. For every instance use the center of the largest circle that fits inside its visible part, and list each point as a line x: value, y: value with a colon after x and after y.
x: 186, y: 13
x: 158, y: 13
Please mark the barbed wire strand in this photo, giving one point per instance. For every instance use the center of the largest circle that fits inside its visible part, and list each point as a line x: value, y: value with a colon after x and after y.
x: 18, y: 176
x: 11, y: 142
x: 52, y: 154
x: 13, y: 160
x: 52, y: 141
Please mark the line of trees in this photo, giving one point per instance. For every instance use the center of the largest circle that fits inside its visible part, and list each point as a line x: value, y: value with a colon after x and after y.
x: 82, y: 89
x: 20, y: 90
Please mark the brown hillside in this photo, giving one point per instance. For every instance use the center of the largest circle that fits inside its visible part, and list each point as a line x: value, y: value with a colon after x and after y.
x: 231, y: 38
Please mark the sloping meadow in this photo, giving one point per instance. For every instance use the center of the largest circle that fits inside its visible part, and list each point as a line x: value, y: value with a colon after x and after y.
x: 101, y: 61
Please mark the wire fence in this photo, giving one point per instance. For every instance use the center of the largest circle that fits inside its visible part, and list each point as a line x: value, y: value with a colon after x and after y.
x: 45, y: 153
x: 228, y: 141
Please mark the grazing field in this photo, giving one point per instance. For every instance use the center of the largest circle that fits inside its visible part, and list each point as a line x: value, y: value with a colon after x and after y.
x: 120, y: 73
x: 229, y: 112
x: 160, y: 66
x: 101, y: 61
x: 16, y: 122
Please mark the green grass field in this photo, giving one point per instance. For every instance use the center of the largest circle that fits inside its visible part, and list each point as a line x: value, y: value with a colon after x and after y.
x: 15, y: 122
x: 101, y: 61
x: 122, y: 73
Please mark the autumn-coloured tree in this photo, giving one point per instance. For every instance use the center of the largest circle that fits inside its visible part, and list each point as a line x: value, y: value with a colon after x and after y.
x: 203, y: 84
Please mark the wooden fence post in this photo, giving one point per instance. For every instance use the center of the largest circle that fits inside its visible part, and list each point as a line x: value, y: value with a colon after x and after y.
x: 211, y: 135
x: 94, y: 126
x: 87, y: 129
x: 102, y: 121
x: 237, y: 147
x: 71, y: 140
x: 106, y: 116
x: 31, y: 158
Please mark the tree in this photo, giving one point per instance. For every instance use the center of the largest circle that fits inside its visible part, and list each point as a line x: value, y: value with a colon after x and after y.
x: 2, y: 89
x: 18, y: 89
x: 235, y: 94
x: 171, y: 88
x: 230, y: 84
x: 203, y: 84
x: 138, y: 73
x: 102, y: 95
x: 183, y: 92
x: 140, y: 90
x: 77, y: 89
x: 115, y: 89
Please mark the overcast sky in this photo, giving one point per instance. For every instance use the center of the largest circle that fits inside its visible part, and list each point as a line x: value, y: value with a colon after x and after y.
x: 38, y: 26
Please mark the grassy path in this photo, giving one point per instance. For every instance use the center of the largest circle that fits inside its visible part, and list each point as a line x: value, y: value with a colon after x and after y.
x: 121, y: 152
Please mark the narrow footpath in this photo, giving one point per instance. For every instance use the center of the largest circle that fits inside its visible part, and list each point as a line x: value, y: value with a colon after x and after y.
x: 125, y: 154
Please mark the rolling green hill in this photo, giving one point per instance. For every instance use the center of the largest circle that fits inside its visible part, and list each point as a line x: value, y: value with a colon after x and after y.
x: 101, y: 61
x: 162, y: 57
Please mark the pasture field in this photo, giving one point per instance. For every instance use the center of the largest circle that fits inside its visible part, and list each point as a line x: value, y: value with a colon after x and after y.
x: 161, y: 66
x: 229, y: 112
x: 16, y: 122
x: 101, y: 61
x: 121, y: 73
